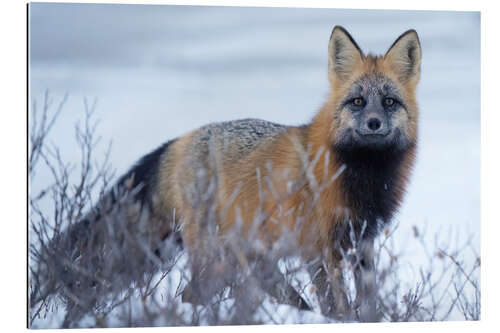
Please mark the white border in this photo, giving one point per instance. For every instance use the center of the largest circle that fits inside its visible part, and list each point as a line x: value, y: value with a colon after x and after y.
x: 13, y: 138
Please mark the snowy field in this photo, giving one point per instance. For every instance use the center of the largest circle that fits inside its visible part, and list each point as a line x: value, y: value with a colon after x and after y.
x: 161, y: 71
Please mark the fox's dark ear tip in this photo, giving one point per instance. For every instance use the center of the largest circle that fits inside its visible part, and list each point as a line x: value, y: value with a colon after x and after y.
x: 339, y: 28
x: 410, y: 32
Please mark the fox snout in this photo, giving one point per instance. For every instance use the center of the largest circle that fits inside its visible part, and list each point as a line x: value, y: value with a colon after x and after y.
x: 373, y: 131
x: 373, y: 121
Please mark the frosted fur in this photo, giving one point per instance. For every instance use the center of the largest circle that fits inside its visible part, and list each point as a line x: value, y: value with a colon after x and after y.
x: 238, y: 137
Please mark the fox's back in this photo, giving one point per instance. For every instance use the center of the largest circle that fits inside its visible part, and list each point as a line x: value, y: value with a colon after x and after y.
x: 233, y: 140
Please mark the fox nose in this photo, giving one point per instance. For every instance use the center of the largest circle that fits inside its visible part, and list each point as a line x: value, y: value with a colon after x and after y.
x: 374, y: 124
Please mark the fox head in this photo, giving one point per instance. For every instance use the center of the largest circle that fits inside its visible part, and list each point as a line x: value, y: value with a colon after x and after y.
x: 372, y: 104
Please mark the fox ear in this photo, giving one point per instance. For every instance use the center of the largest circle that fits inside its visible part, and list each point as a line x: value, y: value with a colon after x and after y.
x: 404, y: 56
x: 343, y: 54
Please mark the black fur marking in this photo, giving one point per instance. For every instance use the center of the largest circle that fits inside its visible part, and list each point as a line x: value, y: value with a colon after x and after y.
x: 144, y: 174
x: 372, y: 184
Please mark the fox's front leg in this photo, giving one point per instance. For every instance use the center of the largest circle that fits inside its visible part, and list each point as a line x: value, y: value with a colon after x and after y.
x: 365, y: 281
x: 327, y: 277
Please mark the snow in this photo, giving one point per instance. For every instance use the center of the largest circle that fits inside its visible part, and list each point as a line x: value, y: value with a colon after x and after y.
x: 161, y: 71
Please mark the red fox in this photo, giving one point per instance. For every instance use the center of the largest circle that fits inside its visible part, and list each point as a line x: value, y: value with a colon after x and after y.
x: 345, y: 171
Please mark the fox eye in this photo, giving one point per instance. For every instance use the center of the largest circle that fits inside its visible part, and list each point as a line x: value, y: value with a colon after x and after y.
x: 358, y: 101
x: 389, y: 101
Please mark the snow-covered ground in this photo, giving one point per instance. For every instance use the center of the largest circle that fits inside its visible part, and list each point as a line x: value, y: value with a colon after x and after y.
x: 160, y: 71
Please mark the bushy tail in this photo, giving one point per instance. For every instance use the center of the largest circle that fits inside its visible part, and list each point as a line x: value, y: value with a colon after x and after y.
x: 119, y: 242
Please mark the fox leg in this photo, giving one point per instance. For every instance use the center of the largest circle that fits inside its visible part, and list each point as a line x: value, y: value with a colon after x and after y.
x: 365, y: 281
x: 264, y: 279
x: 209, y: 274
x: 275, y: 284
x: 208, y: 278
x: 330, y: 289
